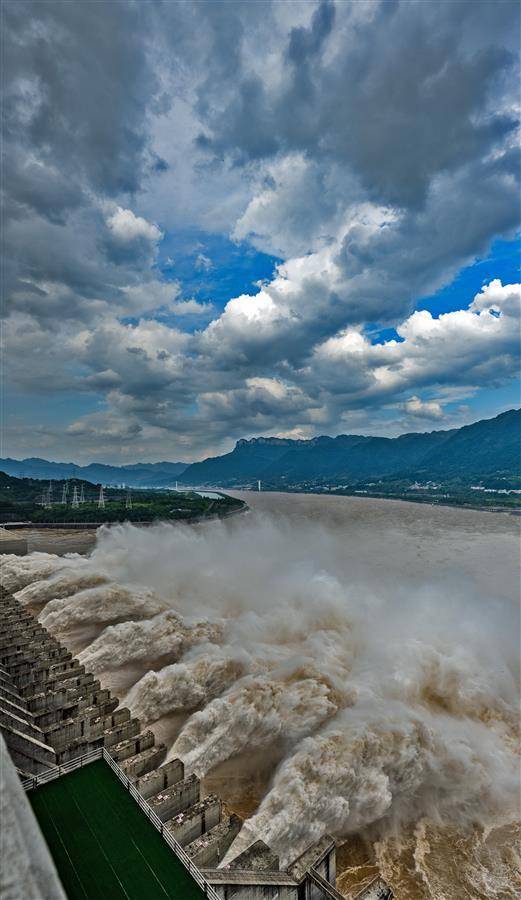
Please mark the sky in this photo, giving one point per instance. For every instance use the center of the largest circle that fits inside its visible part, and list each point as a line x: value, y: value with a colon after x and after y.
x: 233, y: 219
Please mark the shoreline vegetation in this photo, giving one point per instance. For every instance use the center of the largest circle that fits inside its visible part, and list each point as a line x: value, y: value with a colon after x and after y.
x: 439, y: 496
x: 79, y: 504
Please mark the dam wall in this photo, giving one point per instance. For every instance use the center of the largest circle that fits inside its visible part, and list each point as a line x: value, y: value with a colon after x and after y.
x: 27, y: 869
x: 53, y: 712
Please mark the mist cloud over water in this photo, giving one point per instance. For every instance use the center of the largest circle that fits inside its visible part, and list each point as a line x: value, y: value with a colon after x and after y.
x: 389, y: 692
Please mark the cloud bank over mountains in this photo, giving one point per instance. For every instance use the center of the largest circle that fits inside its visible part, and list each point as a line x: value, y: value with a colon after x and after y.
x: 371, y: 147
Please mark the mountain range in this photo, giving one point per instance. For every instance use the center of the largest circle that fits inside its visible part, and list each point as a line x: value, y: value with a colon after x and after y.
x: 488, y: 448
x: 160, y: 474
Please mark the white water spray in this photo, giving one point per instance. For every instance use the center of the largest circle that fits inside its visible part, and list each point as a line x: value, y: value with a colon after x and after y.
x: 388, y: 691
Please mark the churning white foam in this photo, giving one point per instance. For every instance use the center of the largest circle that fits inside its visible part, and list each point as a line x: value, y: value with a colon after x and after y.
x: 388, y: 699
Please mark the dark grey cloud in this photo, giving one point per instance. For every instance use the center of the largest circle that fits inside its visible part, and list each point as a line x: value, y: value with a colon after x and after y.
x: 400, y: 98
x: 416, y: 255
x: 79, y: 89
x: 68, y: 269
x: 306, y: 43
x: 43, y: 189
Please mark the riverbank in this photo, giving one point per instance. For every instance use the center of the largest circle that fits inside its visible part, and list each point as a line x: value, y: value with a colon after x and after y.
x: 62, y: 538
x: 93, y: 526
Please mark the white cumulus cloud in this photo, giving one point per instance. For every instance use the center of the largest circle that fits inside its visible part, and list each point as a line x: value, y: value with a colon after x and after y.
x: 126, y: 226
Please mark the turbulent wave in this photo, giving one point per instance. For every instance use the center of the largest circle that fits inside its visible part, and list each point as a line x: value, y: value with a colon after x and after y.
x: 164, y: 635
x: 382, y: 765
x: 103, y: 604
x: 186, y: 685
x: 253, y: 713
x: 390, y: 702
x: 36, y: 568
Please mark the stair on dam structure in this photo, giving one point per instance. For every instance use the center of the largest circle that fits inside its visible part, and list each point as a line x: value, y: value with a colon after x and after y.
x: 51, y: 709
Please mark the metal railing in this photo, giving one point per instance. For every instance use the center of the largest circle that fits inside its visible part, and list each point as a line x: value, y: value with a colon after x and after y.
x: 30, y: 784
x: 54, y: 772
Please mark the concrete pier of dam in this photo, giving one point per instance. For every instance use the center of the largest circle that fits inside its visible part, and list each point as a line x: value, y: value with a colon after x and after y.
x: 53, y: 712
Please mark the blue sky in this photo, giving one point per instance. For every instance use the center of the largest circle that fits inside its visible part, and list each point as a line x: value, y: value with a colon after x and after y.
x: 229, y: 268
x: 280, y: 219
x: 503, y: 261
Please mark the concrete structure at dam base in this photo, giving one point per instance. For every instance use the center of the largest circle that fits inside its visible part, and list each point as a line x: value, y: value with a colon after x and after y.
x: 12, y: 543
x: 53, y: 713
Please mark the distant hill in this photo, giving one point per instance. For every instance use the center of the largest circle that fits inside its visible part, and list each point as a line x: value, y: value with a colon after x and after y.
x: 161, y: 474
x: 490, y: 447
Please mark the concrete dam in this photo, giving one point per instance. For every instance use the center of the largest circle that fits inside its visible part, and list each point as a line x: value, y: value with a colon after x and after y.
x: 59, y: 724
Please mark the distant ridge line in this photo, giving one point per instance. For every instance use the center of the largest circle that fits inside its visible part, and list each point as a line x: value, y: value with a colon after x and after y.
x: 487, y: 447
x: 483, y: 448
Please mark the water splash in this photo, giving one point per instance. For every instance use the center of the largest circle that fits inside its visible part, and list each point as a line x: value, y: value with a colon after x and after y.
x: 389, y: 700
